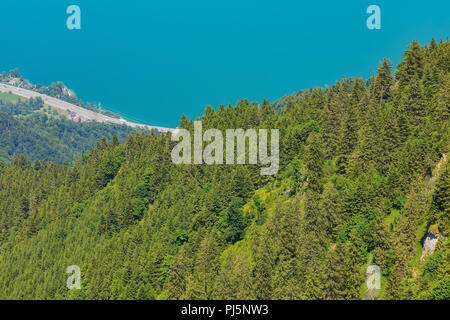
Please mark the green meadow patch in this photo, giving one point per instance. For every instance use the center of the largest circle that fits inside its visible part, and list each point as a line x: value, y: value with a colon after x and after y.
x: 8, y: 97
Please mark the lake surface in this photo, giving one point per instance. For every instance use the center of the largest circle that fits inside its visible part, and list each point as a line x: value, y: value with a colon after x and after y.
x: 152, y: 61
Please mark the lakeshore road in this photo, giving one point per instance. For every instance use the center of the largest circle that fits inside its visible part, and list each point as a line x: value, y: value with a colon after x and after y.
x: 85, y: 113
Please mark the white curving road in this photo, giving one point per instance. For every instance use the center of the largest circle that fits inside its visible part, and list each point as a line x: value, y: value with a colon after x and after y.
x: 85, y: 113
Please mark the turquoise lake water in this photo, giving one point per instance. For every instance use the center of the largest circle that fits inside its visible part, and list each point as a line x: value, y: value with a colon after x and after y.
x: 152, y: 61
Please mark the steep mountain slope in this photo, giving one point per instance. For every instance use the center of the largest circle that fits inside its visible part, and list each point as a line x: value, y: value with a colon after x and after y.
x: 37, y: 131
x: 359, y: 184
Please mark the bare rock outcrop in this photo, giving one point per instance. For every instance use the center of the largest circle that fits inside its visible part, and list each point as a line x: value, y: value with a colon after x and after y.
x: 429, y: 245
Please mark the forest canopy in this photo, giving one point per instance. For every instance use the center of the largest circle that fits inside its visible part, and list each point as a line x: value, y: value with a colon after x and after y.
x: 40, y: 132
x: 364, y: 179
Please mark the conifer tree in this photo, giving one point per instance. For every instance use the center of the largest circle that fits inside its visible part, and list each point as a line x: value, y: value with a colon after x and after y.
x: 333, y: 116
x: 201, y: 284
x: 412, y: 64
x: 336, y: 272
x: 382, y: 86
x: 178, y: 276
x: 314, y: 159
x: 264, y: 257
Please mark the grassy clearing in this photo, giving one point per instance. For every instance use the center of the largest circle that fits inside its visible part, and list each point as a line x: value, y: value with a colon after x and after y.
x: 52, y: 111
x: 7, y: 97
x: 392, y: 218
x: 421, y: 231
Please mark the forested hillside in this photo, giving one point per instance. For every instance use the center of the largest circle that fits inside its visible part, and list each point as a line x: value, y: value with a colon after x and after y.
x: 30, y: 128
x: 56, y: 90
x: 364, y: 179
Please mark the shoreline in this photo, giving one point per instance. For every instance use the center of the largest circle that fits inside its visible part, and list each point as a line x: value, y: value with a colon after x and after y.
x: 80, y: 111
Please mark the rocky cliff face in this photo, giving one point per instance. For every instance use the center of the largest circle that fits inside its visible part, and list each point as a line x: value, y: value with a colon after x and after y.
x: 429, y: 245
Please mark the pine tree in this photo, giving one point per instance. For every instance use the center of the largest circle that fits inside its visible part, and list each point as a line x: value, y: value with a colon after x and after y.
x: 314, y: 159
x: 348, y: 137
x: 234, y: 279
x: 382, y: 86
x: 368, y: 150
x: 393, y: 288
x: 201, y: 283
x: 333, y: 117
x: 441, y: 102
x: 332, y: 207
x: 336, y: 272
x: 115, y: 141
x: 353, y: 260
x: 263, y: 266
x: 178, y: 276
x: 285, y: 275
x: 413, y: 103
x: 412, y: 66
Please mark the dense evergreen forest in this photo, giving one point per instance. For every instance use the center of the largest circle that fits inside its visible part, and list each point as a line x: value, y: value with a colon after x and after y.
x: 364, y: 179
x: 30, y: 128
